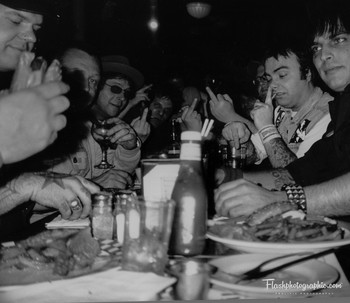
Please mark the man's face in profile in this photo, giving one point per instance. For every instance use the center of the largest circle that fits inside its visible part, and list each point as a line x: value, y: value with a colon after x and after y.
x: 17, y: 34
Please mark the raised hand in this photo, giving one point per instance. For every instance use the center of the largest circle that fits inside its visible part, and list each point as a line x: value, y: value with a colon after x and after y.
x: 237, y: 132
x: 190, y: 118
x: 33, y: 71
x: 30, y: 119
x: 122, y: 133
x: 140, y: 95
x: 141, y: 126
x: 53, y: 72
x: 221, y: 107
x: 262, y: 113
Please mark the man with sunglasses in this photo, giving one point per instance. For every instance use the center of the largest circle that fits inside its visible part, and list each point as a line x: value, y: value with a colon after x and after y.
x: 118, y: 85
x: 124, y: 152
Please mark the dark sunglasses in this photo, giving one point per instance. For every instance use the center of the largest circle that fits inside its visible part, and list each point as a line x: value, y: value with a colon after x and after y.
x: 115, y: 89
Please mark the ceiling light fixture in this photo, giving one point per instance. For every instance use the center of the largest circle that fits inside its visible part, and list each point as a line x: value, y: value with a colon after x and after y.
x: 198, y: 10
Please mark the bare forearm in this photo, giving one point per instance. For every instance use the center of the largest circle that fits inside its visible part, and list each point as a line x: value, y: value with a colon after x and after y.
x: 273, y: 179
x: 278, y: 152
x: 331, y: 198
x: 23, y: 188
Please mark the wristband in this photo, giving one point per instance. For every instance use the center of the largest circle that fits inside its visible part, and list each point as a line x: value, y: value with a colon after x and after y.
x: 269, y: 132
x: 296, y: 194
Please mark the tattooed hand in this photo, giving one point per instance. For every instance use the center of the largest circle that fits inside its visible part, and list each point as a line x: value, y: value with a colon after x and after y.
x: 241, y: 197
x: 50, y: 190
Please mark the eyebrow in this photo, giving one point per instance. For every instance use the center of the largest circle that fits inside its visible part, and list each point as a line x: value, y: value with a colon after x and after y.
x: 24, y: 17
x: 337, y: 34
x: 281, y: 67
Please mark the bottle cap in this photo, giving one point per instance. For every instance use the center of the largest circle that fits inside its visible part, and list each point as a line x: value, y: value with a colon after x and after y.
x: 191, y: 135
x: 102, y: 199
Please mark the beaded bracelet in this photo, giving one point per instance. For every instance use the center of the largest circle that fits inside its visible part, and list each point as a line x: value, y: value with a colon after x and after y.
x: 296, y: 194
x: 269, y: 132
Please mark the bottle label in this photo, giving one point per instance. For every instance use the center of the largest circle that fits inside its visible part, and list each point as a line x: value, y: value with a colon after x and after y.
x: 190, y: 151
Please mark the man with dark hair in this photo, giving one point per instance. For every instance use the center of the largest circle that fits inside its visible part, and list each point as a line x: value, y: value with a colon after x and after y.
x: 324, y: 170
x: 300, y: 118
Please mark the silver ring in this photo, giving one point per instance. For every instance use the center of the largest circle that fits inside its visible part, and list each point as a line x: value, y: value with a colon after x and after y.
x: 75, y: 205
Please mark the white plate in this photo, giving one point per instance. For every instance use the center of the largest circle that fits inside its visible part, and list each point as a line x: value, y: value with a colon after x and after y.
x: 307, y: 273
x: 280, y: 248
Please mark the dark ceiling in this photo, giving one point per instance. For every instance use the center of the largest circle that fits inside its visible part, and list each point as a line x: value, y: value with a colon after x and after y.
x: 235, y: 32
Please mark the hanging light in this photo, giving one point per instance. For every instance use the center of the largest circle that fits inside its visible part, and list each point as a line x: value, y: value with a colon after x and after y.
x: 198, y: 9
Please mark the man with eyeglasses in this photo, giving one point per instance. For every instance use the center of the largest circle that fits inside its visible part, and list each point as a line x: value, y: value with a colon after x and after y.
x: 118, y: 86
x: 300, y: 118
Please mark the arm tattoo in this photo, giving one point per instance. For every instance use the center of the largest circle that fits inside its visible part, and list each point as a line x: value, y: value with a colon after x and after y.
x: 52, y: 178
x: 10, y: 196
x: 281, y: 177
x: 279, y: 153
x: 252, y: 156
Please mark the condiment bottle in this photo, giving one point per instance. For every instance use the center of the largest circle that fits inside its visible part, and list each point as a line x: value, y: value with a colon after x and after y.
x: 102, y: 217
x: 174, y: 147
x: 190, y: 196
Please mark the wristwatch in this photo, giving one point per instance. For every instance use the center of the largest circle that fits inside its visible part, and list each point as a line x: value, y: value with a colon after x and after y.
x: 296, y: 194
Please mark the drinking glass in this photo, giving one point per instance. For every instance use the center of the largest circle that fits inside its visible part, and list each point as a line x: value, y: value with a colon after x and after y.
x: 146, y: 235
x: 99, y: 132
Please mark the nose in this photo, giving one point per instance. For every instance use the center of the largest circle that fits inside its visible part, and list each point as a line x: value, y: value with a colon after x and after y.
x: 274, y: 85
x: 326, y: 53
x: 29, y: 36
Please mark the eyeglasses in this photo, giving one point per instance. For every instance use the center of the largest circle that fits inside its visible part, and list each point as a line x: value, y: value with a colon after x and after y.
x: 115, y: 89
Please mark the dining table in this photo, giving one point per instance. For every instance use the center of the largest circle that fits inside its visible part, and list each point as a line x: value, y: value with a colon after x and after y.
x: 112, y: 284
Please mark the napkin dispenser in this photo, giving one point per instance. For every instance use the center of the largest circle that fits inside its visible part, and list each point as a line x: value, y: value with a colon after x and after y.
x: 158, y: 178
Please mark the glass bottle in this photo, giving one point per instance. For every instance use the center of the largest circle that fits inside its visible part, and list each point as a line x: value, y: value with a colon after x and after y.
x: 190, y: 196
x: 174, y: 147
x: 102, y: 217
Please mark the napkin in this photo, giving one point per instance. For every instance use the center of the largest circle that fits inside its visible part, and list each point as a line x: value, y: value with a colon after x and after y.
x: 58, y: 222
x: 108, y: 286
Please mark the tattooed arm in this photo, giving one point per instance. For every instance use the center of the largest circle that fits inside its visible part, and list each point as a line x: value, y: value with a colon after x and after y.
x: 49, y: 190
x: 241, y: 197
x: 279, y: 153
x: 271, y: 179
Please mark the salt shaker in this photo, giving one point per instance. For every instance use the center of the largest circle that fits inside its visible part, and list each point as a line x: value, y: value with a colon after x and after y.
x: 122, y: 199
x: 102, y: 217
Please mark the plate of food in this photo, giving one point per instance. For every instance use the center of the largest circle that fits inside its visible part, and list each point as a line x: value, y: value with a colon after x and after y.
x: 298, y: 280
x: 54, y: 255
x: 279, y: 228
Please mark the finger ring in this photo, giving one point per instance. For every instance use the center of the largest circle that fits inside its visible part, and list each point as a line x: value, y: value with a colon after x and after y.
x: 75, y: 205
